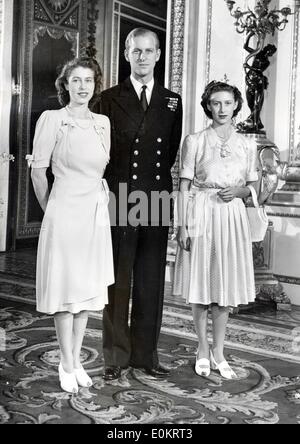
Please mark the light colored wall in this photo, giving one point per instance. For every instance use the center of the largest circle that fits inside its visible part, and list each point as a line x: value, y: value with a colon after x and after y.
x: 6, y: 18
x: 283, y: 124
x: 227, y: 54
x: 213, y: 48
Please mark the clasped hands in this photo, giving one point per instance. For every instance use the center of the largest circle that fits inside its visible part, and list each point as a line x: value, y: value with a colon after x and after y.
x: 230, y: 193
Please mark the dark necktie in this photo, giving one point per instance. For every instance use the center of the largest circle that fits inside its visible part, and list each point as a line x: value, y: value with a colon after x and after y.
x: 144, y: 98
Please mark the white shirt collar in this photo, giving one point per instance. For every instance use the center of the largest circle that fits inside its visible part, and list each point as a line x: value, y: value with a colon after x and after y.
x: 138, y: 87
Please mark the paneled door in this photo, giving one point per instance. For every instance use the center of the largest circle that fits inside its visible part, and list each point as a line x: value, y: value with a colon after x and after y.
x: 47, y: 33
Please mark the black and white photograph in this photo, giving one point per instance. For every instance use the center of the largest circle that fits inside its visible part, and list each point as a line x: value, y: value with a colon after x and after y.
x: 149, y: 214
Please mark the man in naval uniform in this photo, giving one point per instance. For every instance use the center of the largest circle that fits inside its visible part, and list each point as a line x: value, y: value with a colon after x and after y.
x: 146, y: 125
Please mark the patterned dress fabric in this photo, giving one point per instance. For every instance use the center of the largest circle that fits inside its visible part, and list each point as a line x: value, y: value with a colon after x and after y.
x: 74, y: 261
x: 219, y: 267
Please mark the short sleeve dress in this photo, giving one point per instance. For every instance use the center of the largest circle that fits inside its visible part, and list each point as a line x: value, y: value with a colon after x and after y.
x: 74, y: 260
x: 219, y: 267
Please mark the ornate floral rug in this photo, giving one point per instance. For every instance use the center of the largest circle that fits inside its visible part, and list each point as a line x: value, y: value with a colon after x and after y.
x: 267, y: 390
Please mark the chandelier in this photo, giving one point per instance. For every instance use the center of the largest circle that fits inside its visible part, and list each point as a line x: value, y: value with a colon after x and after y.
x: 257, y: 24
x: 260, y: 20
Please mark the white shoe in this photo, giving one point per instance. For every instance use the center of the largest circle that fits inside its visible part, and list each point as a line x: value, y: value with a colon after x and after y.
x: 67, y: 380
x: 202, y: 367
x: 82, y: 377
x: 224, y: 368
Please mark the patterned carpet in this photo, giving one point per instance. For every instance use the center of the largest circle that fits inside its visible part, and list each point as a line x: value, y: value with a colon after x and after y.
x: 267, y: 390
x: 261, y: 345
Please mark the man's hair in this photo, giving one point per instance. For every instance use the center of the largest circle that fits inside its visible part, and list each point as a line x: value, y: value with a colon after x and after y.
x: 139, y: 32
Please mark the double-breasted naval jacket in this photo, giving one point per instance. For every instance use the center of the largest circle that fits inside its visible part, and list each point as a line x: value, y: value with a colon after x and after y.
x: 144, y: 146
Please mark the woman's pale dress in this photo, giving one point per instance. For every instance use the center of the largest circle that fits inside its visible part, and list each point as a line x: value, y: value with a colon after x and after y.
x: 74, y: 260
x: 219, y: 267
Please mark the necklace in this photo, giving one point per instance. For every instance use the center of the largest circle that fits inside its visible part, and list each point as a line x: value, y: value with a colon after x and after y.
x: 225, y: 138
x: 224, y: 148
x: 88, y: 120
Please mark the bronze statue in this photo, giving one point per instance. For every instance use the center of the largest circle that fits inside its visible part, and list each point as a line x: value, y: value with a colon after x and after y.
x: 256, y: 84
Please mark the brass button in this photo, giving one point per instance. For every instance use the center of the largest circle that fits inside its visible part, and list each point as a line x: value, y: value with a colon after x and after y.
x: 159, y: 140
x: 157, y: 177
x: 159, y: 153
x: 158, y: 165
x: 135, y: 165
x: 137, y: 140
x: 136, y: 153
x: 134, y: 177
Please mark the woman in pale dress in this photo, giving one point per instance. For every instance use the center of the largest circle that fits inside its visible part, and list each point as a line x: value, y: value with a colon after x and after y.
x: 214, y: 264
x: 74, y: 261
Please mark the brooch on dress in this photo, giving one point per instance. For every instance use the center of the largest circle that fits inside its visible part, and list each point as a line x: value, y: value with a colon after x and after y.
x: 224, y: 150
x: 68, y: 122
x: 172, y: 103
x: 99, y: 129
x: 30, y: 158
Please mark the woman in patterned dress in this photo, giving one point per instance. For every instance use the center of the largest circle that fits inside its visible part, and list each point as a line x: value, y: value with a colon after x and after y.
x: 74, y: 261
x: 217, y: 272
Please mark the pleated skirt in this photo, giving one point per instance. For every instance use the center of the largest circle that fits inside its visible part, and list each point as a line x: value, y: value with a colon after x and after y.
x: 218, y: 269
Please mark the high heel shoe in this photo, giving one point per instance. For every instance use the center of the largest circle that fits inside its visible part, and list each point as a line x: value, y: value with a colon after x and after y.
x: 67, y: 380
x: 202, y: 366
x: 82, y: 377
x: 224, y: 368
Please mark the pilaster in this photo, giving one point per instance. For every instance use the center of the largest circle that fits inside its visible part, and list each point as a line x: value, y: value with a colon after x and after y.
x: 6, y: 20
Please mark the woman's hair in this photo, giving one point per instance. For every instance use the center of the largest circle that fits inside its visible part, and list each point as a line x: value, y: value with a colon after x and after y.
x: 214, y: 87
x: 62, y: 80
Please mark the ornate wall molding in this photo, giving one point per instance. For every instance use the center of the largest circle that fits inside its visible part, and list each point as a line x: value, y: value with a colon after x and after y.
x: 176, y: 50
x: 57, y: 34
x: 115, y: 46
x: 284, y: 215
x: 295, y: 99
x: 6, y: 8
x: 93, y: 15
x: 3, y: 203
x: 58, y: 13
x: 208, y: 40
x: 288, y: 280
x: 176, y: 60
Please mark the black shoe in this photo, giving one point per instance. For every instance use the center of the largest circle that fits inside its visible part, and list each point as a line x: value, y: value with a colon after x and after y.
x: 112, y: 373
x: 157, y: 372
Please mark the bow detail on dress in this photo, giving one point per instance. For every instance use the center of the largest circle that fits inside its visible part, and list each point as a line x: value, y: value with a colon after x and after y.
x: 68, y: 121
x: 30, y: 159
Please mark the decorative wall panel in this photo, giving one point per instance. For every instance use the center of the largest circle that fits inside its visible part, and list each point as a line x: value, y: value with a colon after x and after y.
x: 295, y: 97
